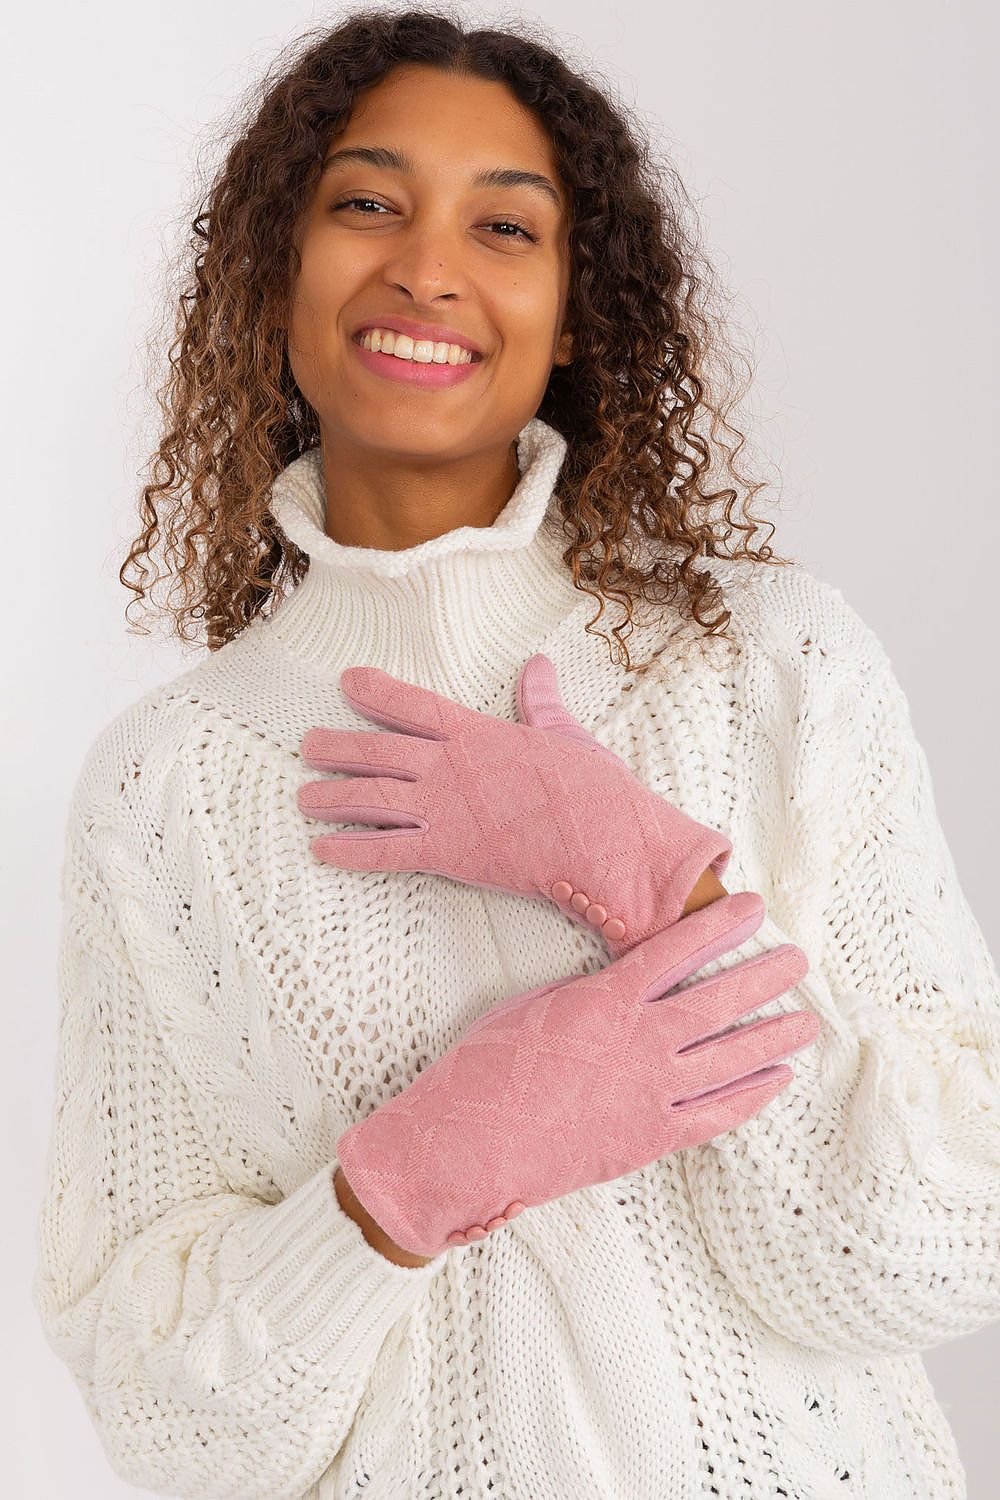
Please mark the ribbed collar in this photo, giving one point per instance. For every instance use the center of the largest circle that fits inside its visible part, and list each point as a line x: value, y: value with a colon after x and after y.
x: 453, y: 610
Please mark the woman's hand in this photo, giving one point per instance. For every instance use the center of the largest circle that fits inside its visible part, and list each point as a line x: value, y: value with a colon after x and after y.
x: 614, y: 1069
x: 537, y: 806
x: 709, y: 888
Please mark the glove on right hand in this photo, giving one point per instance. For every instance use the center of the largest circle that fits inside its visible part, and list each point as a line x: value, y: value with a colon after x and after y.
x: 581, y: 1081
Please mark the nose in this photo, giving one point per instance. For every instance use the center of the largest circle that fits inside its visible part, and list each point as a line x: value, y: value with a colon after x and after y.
x: 425, y: 259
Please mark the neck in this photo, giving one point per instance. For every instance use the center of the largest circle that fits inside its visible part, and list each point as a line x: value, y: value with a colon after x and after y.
x: 458, y: 612
x: 393, y: 502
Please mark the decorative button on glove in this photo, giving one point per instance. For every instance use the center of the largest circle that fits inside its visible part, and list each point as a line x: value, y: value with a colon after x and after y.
x: 540, y: 807
x: 581, y: 1081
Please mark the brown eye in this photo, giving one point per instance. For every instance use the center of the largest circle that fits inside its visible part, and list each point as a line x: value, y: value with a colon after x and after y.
x: 348, y: 201
x: 506, y: 223
x: 510, y: 223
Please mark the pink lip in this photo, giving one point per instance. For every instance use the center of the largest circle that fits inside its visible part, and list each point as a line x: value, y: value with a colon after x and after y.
x: 410, y: 372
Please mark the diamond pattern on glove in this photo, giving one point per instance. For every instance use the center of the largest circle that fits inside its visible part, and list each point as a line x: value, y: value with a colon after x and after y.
x: 512, y: 806
x: 581, y: 1081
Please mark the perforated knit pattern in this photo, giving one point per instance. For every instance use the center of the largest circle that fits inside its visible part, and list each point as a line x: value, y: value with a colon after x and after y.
x: 740, y: 1319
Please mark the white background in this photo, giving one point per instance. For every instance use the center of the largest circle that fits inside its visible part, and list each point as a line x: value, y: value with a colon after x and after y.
x: 844, y: 157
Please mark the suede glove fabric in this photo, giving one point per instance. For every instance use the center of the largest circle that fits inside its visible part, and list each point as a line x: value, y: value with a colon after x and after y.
x: 581, y: 1081
x: 538, y: 807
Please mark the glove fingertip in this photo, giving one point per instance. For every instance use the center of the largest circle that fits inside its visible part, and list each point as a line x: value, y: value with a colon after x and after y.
x: 356, y: 679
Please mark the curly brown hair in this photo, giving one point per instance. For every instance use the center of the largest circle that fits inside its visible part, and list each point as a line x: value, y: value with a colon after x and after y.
x: 635, y: 404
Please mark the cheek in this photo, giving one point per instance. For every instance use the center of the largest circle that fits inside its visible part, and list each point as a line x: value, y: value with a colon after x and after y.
x: 333, y: 266
x: 322, y: 289
x: 528, y: 311
x: 305, y: 325
x: 533, y: 345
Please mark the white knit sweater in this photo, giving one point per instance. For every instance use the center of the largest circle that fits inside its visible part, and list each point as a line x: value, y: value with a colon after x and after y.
x: 741, y: 1319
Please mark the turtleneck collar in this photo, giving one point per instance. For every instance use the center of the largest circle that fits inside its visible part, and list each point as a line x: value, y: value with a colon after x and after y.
x: 452, y: 610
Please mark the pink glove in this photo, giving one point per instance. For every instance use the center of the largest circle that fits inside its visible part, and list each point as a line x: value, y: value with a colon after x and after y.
x: 539, y: 807
x: 581, y: 1081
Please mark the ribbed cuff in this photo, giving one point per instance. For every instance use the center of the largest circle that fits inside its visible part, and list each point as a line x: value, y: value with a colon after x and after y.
x: 303, y: 1268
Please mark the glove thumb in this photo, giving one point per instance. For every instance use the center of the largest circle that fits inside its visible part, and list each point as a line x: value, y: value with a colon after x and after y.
x: 540, y: 704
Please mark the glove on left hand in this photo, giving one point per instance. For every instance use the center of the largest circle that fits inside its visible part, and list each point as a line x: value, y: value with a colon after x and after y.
x: 541, y: 807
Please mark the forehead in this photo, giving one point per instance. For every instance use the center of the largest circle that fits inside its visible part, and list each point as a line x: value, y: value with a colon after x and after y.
x: 450, y: 125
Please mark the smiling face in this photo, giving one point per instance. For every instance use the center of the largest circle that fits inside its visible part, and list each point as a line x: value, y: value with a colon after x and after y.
x: 428, y: 244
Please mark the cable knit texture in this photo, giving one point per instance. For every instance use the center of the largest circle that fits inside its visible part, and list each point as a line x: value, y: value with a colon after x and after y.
x: 743, y: 1318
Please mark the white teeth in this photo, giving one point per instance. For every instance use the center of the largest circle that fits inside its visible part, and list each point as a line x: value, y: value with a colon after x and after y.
x: 423, y: 351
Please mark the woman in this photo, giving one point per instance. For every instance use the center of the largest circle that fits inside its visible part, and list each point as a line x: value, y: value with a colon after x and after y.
x: 373, y: 1168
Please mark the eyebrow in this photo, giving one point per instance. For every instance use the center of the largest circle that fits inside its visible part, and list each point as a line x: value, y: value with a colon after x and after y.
x: 398, y: 161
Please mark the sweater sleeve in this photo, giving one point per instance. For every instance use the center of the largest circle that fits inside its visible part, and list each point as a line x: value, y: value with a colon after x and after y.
x: 222, y: 1343
x: 861, y: 1211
